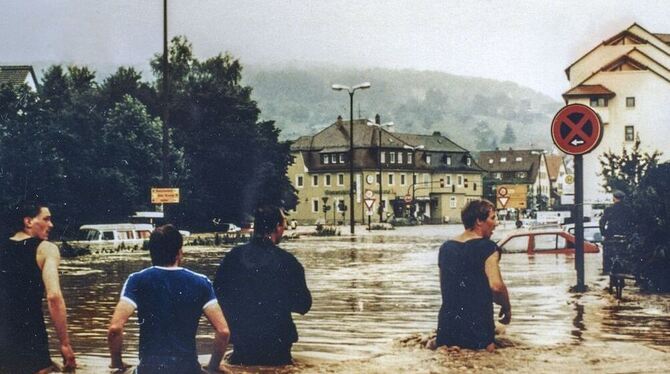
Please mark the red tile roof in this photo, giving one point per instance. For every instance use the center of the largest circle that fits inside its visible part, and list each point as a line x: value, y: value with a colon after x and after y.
x: 589, y: 90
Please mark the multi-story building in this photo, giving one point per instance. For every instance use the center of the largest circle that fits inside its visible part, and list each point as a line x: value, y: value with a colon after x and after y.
x: 427, y: 176
x: 519, y: 177
x: 626, y: 80
x: 557, y: 177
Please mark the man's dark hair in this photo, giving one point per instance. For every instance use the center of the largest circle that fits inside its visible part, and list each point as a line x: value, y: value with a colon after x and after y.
x: 164, y: 244
x: 13, y: 220
x: 266, y: 219
x: 475, y: 210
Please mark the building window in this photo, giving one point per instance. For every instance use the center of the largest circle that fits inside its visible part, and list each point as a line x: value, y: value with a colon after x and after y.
x: 299, y: 181
x: 413, y: 178
x: 383, y: 157
x: 497, y: 175
x: 459, y: 180
x: 315, y: 180
x: 630, y: 133
x: 518, y: 159
x: 521, y: 174
x: 598, y: 102
x: 630, y: 102
x: 340, y: 179
x: 428, y: 159
x: 390, y: 179
x: 325, y: 159
x: 315, y: 205
x: 392, y: 158
x: 448, y: 180
x: 400, y: 157
x: 327, y: 180
x: 474, y: 186
x: 503, y: 159
x: 333, y: 158
x: 402, y: 179
x: 468, y: 161
x: 452, y: 202
x: 490, y: 161
x: 409, y: 157
x: 448, y: 160
x: 426, y: 179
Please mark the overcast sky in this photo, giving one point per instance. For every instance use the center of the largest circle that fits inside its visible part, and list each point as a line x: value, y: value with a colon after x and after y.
x: 528, y: 42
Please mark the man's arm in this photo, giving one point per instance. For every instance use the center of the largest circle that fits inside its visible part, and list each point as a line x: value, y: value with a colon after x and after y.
x: 498, y: 288
x: 123, y: 311
x: 215, y: 316
x: 302, y: 298
x: 48, y: 259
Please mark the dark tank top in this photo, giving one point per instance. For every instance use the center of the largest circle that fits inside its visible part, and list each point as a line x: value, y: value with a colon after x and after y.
x: 466, y: 315
x: 23, y: 333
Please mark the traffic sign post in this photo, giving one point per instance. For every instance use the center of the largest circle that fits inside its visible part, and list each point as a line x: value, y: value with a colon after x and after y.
x: 576, y: 130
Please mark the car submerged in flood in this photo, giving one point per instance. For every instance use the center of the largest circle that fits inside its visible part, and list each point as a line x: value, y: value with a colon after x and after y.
x: 543, y: 241
x: 111, y: 237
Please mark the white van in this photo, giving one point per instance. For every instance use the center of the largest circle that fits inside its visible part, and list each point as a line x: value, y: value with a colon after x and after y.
x: 114, y: 235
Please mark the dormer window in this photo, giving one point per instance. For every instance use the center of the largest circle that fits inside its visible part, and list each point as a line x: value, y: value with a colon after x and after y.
x: 428, y: 159
x: 503, y: 159
x: 490, y: 161
x: 518, y: 159
x: 468, y: 161
x: 448, y: 160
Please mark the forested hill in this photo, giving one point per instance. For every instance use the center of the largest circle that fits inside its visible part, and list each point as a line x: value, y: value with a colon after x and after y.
x: 476, y: 113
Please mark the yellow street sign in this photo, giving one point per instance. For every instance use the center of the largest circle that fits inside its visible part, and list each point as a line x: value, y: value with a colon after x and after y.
x: 165, y: 195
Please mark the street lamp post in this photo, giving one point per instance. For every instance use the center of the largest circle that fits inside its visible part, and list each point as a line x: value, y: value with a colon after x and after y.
x: 351, y: 91
x: 379, y: 125
x: 413, y: 174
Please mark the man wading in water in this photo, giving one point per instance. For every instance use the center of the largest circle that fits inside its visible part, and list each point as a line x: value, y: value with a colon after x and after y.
x: 470, y: 281
x: 28, y: 271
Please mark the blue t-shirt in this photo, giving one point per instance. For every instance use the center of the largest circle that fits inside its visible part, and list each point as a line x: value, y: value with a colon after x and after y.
x: 169, y: 304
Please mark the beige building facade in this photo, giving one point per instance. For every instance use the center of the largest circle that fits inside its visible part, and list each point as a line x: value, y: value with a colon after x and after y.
x: 428, y: 177
x: 626, y: 80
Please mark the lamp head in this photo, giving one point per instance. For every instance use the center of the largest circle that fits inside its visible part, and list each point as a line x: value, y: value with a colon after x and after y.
x: 362, y: 86
x: 339, y: 87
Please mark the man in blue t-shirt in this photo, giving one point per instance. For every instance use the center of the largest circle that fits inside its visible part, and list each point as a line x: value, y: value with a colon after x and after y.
x: 169, y: 301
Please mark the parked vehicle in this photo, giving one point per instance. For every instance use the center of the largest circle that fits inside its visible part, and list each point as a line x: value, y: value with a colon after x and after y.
x: 543, y: 241
x: 591, y: 231
x: 228, y: 228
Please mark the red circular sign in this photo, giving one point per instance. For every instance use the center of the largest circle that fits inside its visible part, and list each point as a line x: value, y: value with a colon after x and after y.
x: 576, y: 129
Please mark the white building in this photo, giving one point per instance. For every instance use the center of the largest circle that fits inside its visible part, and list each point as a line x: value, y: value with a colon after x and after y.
x: 626, y: 80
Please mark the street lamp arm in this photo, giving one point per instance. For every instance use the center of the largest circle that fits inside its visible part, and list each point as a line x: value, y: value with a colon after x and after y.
x: 362, y: 86
x: 340, y: 87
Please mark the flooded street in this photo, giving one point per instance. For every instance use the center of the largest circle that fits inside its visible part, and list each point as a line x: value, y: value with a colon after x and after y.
x: 374, y: 289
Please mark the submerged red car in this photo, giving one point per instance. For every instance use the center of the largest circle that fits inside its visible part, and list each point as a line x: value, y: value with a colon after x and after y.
x: 547, y: 241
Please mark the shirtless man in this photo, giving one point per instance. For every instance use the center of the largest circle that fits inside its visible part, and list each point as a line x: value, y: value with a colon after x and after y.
x: 29, y: 270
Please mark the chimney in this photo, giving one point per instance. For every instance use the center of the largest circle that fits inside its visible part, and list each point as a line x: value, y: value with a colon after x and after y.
x: 339, y: 120
x: 437, y: 133
x: 378, y: 119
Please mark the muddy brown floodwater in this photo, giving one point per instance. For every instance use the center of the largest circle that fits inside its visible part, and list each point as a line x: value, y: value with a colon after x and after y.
x: 377, y: 289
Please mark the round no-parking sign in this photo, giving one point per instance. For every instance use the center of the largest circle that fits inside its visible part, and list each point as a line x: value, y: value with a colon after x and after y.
x: 576, y: 129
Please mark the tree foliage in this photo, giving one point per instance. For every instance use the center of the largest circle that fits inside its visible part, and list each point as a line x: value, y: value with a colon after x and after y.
x: 93, y: 150
x: 625, y: 171
x: 647, y: 186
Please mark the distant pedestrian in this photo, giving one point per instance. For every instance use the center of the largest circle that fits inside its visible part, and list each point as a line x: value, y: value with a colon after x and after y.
x: 169, y: 300
x: 258, y: 286
x: 470, y: 282
x: 615, y: 224
x: 29, y: 270
x: 617, y: 218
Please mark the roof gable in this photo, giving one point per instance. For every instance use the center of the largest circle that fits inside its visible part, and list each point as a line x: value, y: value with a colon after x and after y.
x: 625, y: 37
x: 18, y: 74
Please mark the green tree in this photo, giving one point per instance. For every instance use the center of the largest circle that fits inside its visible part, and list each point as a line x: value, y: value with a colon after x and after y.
x: 625, y: 171
x: 232, y: 160
x: 486, y: 138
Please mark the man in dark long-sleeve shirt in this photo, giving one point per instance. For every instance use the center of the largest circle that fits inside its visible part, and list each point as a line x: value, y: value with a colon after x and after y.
x: 258, y: 286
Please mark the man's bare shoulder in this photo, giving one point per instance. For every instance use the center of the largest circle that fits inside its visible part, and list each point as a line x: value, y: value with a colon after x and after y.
x: 48, y: 249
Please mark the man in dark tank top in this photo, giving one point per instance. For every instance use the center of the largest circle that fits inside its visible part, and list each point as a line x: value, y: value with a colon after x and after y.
x: 470, y: 282
x: 29, y: 271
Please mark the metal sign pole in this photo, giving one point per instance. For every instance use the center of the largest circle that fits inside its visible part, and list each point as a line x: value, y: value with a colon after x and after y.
x: 579, y: 223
